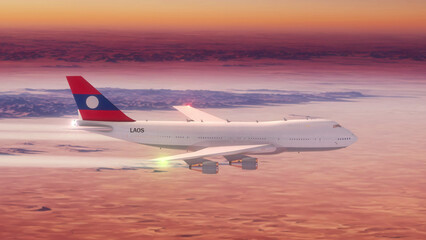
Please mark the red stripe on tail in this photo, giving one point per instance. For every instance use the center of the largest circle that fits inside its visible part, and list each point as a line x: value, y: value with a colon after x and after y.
x: 79, y: 85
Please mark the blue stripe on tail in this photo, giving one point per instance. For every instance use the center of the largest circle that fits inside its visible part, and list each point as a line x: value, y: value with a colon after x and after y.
x: 104, y: 104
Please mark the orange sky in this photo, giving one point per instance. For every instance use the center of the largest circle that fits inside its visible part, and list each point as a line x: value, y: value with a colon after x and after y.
x: 268, y: 15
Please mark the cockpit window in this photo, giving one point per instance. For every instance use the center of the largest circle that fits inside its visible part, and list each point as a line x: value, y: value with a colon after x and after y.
x: 336, y: 126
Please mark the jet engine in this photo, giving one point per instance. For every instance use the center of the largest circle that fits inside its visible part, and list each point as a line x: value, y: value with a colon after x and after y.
x: 243, y: 162
x: 203, y: 165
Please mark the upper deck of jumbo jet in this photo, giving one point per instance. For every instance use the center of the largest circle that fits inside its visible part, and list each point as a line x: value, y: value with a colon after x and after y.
x: 294, y: 124
x: 245, y: 123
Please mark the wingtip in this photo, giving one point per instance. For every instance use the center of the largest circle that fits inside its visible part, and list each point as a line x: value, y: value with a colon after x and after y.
x: 182, y: 106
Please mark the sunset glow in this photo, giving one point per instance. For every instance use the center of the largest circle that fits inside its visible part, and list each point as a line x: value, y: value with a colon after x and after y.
x: 329, y: 15
x: 244, y: 64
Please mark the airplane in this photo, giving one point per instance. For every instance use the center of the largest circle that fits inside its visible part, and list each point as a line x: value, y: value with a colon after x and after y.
x: 204, y: 135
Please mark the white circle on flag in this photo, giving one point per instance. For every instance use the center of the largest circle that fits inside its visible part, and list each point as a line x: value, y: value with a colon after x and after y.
x: 92, y: 102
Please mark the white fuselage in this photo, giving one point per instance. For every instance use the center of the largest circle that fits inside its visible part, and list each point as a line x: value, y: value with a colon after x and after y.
x: 291, y: 135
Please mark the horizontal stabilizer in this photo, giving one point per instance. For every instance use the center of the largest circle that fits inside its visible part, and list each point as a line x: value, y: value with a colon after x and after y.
x: 94, y: 129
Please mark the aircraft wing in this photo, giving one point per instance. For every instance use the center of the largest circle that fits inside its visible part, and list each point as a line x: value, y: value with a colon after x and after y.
x: 213, y: 151
x: 197, y: 115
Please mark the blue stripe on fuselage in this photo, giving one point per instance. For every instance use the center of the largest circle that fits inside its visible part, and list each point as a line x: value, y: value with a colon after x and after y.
x: 104, y: 104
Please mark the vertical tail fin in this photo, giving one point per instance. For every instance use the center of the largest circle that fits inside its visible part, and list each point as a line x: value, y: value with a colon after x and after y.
x: 92, y: 105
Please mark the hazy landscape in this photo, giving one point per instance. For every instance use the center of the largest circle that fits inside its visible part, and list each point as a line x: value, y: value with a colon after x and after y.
x: 359, y: 63
x: 371, y: 190
x: 58, y: 182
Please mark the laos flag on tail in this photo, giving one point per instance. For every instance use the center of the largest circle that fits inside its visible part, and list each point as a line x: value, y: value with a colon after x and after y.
x: 92, y: 105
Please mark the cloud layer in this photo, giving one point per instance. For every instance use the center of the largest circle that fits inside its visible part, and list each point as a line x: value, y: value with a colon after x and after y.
x: 88, y: 47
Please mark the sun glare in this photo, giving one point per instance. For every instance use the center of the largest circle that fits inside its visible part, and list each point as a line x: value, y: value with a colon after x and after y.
x: 162, y: 163
x: 74, y: 123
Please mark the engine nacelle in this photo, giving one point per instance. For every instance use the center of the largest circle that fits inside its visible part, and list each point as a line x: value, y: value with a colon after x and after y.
x: 207, y: 167
x: 246, y: 163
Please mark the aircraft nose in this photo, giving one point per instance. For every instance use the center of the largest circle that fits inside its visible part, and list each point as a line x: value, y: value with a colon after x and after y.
x: 354, y: 138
